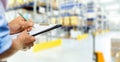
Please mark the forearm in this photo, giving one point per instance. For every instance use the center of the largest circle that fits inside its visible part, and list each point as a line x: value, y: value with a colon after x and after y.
x: 13, y: 49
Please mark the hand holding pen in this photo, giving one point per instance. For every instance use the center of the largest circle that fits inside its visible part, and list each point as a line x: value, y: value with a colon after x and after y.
x: 23, y: 17
x: 20, y: 24
x: 46, y: 30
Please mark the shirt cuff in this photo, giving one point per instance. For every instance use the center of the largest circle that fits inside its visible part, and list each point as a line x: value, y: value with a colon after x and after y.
x: 5, y: 43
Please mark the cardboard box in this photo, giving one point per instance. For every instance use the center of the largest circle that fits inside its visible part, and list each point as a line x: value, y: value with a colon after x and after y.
x: 74, y: 20
x: 67, y: 21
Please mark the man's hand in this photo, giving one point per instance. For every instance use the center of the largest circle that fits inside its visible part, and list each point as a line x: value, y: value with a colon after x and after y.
x: 24, y: 40
x: 19, y: 25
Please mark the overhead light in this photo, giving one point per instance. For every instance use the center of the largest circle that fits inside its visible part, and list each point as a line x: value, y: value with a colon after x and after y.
x: 112, y: 7
x: 105, y: 1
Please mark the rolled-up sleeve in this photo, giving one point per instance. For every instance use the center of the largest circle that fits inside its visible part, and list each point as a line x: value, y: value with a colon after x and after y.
x: 5, y: 43
x: 5, y: 40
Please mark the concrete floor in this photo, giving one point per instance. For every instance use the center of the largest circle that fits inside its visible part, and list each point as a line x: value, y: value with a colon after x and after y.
x: 70, y: 51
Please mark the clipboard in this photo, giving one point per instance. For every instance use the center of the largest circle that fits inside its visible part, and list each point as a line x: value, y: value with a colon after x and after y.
x: 43, y: 29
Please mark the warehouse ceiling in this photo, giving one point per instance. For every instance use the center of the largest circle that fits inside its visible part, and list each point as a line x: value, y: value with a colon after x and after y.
x: 112, y: 7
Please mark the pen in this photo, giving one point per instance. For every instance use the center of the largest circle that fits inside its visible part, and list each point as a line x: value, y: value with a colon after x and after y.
x: 22, y: 16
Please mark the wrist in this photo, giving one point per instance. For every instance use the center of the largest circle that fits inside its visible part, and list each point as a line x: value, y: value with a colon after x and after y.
x: 17, y: 44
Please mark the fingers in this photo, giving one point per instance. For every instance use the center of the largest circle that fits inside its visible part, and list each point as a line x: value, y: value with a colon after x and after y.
x: 27, y: 47
x: 26, y: 25
x: 26, y: 40
x: 19, y: 18
x: 29, y: 29
x: 30, y: 41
